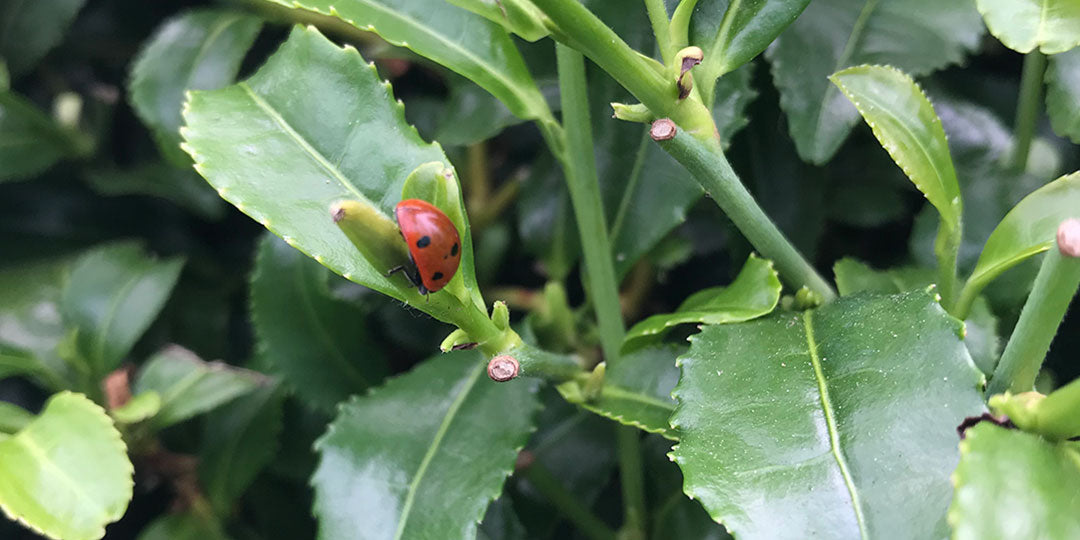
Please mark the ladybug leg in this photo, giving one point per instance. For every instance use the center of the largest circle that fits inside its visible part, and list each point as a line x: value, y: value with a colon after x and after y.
x: 413, y: 277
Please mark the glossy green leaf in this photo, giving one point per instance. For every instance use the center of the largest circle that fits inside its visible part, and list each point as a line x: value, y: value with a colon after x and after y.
x: 30, y: 142
x: 733, y: 32
x: 13, y: 418
x: 197, y: 50
x: 182, y: 187
x: 1063, y: 94
x: 66, y: 475
x: 189, y: 386
x: 432, y: 472
x: 314, y: 126
x: 319, y: 344
x: 31, y: 28
x: 470, y: 114
x: 518, y: 16
x: 187, y: 525
x: 905, y: 123
x: 916, y: 36
x: 838, y: 422
x: 1029, y: 228
x: 636, y: 390
x: 1052, y: 26
x: 30, y: 322
x: 673, y: 514
x: 1012, y: 484
x: 239, y: 440
x: 468, y: 44
x: 753, y: 293
x: 112, y: 296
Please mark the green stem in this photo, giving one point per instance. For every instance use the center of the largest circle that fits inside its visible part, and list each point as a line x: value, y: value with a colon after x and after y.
x: 658, y: 17
x: 711, y: 169
x: 1058, y: 414
x: 632, y: 480
x: 1027, y: 108
x: 947, y: 250
x: 1057, y: 282
x: 546, y: 365
x: 567, y: 504
x: 680, y: 24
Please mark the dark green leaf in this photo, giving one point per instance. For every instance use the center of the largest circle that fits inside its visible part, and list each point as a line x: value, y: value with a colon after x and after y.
x: 468, y: 44
x: 1012, y: 484
x: 180, y: 186
x: 546, y: 221
x: 916, y: 36
x: 314, y: 126
x: 183, y: 526
x: 31, y: 28
x: 432, y: 472
x: 66, y: 474
x: 500, y: 522
x: 1063, y: 94
x: 731, y: 33
x: 674, y: 515
x: 197, y: 50
x: 319, y: 344
x: 837, y: 422
x: 112, y: 296
x: 471, y: 115
x: 636, y: 391
x: 189, y: 386
x: 753, y: 293
x: 239, y: 439
x: 30, y: 324
x: 30, y: 142
x: 1052, y: 26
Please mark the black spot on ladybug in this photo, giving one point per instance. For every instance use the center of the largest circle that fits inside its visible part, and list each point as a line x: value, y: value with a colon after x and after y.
x: 437, y: 276
x: 454, y: 250
x: 423, y: 242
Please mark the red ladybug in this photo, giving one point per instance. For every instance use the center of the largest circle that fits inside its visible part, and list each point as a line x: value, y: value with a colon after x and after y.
x: 434, y: 245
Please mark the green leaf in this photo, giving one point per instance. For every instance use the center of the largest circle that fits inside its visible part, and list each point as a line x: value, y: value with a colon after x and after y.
x: 468, y: 44
x: 858, y: 402
x: 13, y: 418
x: 182, y: 187
x: 916, y: 36
x: 189, y: 386
x: 32, y: 28
x: 138, y: 408
x: 1063, y: 94
x: 905, y: 123
x: 271, y: 148
x: 733, y: 32
x: 470, y: 114
x: 432, y: 472
x: 319, y: 344
x: 1028, y: 229
x: 518, y: 16
x: 1052, y: 26
x: 239, y: 440
x: 30, y: 323
x: 67, y: 474
x: 112, y: 296
x: 674, y: 515
x: 500, y: 522
x: 197, y: 50
x: 753, y: 293
x: 636, y: 390
x: 188, y: 525
x: 30, y: 142
x: 1012, y: 484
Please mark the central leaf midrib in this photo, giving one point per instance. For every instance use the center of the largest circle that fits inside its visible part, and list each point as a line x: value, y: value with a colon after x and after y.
x: 618, y: 392
x: 440, y: 434
x: 830, y: 422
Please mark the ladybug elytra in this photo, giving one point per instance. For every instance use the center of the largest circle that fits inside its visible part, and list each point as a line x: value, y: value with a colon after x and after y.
x: 434, y: 245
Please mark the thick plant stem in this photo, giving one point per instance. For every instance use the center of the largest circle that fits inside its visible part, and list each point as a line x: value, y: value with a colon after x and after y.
x: 1055, y: 286
x: 661, y: 27
x: 1027, y: 108
x: 632, y: 480
x: 714, y: 173
x: 568, y: 505
x: 947, y: 250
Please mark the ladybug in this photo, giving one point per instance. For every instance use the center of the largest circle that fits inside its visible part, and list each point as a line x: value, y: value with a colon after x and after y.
x: 434, y: 245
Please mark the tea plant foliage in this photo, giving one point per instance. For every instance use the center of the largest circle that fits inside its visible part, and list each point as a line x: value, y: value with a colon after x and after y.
x: 1052, y: 26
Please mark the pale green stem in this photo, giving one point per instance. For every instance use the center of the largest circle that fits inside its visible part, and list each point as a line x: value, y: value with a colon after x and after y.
x: 1058, y: 414
x: 1027, y: 108
x: 632, y: 480
x: 711, y: 169
x: 658, y: 17
x: 567, y: 504
x: 1043, y: 312
x: 947, y: 249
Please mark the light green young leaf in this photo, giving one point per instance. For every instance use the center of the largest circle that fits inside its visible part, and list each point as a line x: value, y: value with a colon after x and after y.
x: 32, y: 28
x: 30, y: 142
x: 753, y: 293
x: 858, y: 402
x: 1052, y: 26
x: 138, y: 408
x: 1012, y: 484
x: 112, y: 296
x: 468, y: 44
x: 1063, y: 94
x: 189, y: 386
x: 312, y: 127
x: 732, y: 32
x: 197, y: 50
x: 916, y: 36
x: 66, y: 474
x: 1028, y: 229
x: 320, y: 345
x: 518, y: 16
x: 432, y: 472
x: 905, y: 123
